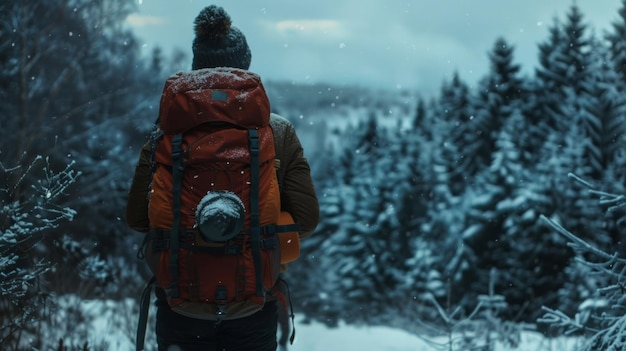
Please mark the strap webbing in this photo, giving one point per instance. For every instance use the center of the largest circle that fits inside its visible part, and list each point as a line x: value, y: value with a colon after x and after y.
x: 144, y: 309
x: 177, y: 184
x: 281, y: 228
x: 255, y: 217
x: 160, y: 240
x: 291, y: 315
x: 273, y: 229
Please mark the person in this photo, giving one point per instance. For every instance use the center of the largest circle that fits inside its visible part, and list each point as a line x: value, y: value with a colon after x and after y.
x: 226, y: 46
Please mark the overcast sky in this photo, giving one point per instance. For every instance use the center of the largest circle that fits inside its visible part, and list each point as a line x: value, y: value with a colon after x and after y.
x: 387, y: 44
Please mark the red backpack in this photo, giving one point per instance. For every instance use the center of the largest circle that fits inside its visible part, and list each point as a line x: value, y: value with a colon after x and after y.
x: 214, y: 203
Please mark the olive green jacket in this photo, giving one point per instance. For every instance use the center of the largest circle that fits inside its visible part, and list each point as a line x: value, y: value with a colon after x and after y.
x: 297, y: 192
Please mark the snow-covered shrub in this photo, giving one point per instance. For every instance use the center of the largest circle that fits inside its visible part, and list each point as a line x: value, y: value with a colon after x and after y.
x: 602, y: 315
x: 29, y: 209
x: 482, y: 329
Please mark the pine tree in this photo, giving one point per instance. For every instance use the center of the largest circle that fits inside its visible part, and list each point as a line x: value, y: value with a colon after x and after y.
x: 602, y: 116
x: 498, y: 109
x: 576, y: 113
x: 500, y: 92
x: 312, y: 271
x: 563, y: 66
x: 576, y: 51
x: 617, y: 40
x: 455, y: 117
x: 525, y: 253
x: 353, y: 254
x: 586, y: 106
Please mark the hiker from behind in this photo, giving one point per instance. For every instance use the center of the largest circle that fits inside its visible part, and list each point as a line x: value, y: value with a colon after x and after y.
x: 210, y: 190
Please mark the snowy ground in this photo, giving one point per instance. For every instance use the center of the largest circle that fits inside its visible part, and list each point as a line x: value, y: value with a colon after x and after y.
x: 114, y: 326
x: 319, y: 338
x: 316, y: 337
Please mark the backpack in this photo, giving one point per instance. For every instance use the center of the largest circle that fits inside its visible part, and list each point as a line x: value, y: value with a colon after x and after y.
x: 214, y: 204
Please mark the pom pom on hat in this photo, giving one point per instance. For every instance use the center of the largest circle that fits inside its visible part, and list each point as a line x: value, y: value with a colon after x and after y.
x: 217, y: 42
x: 212, y: 23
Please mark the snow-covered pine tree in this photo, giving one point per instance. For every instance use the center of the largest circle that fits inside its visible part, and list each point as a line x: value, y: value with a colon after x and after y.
x: 500, y: 100
x: 563, y: 60
x: 500, y: 91
x: 438, y: 169
x: 454, y: 119
x: 308, y: 277
x: 604, y: 128
x: 408, y: 243
x: 358, y: 248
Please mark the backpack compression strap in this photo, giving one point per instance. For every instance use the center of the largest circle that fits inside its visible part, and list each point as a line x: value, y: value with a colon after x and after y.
x: 177, y: 184
x: 255, y: 221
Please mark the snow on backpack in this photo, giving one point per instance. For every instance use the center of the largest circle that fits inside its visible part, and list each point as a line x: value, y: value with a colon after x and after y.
x: 214, y: 206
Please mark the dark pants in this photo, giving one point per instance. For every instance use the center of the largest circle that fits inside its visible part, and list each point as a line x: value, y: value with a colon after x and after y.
x: 253, y: 333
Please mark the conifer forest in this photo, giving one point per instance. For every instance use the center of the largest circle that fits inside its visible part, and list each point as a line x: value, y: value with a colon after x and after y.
x: 504, y: 197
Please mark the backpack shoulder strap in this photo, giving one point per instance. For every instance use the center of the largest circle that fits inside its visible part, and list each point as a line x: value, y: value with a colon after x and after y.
x: 278, y: 125
x: 177, y: 183
x: 255, y: 214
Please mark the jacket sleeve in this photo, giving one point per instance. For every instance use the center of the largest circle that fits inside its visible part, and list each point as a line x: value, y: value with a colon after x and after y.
x: 298, y: 196
x: 137, y: 203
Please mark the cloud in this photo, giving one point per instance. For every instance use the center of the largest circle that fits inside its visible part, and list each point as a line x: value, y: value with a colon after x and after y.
x: 380, y: 43
x: 141, y: 21
x: 329, y: 28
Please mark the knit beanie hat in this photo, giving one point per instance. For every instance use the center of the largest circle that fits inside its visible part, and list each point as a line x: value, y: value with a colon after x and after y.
x: 217, y: 43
